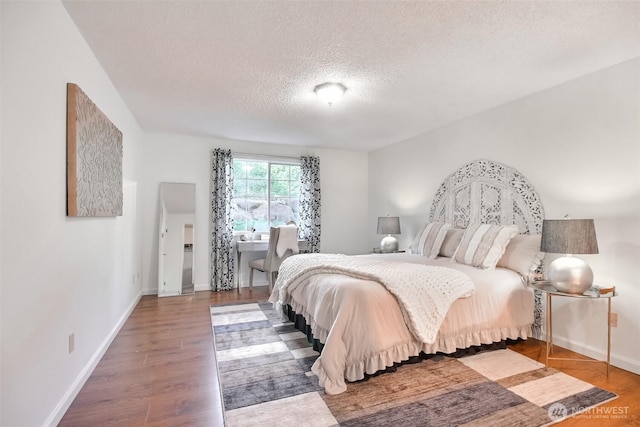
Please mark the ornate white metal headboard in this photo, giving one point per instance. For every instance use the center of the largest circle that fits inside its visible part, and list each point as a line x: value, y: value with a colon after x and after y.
x: 491, y: 193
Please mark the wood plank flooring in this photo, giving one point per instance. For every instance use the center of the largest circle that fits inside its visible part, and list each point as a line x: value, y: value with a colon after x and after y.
x: 160, y: 370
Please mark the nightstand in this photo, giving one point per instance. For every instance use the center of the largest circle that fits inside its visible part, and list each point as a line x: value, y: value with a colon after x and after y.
x: 604, y: 294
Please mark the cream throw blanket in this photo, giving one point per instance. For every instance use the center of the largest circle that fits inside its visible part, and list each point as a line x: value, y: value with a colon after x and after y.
x: 288, y: 240
x: 424, y: 292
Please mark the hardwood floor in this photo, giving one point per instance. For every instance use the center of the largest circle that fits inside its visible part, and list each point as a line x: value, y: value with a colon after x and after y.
x: 160, y: 370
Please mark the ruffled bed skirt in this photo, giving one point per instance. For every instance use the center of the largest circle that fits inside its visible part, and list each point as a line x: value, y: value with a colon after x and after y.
x: 301, y: 324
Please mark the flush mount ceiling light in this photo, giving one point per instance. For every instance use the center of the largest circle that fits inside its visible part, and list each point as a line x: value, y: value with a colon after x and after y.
x: 330, y: 92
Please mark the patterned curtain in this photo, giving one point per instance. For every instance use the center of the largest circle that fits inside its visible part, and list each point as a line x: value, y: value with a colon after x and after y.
x: 222, y: 256
x: 310, y: 201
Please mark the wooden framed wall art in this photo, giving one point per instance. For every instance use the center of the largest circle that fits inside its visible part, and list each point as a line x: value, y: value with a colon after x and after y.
x: 94, y: 159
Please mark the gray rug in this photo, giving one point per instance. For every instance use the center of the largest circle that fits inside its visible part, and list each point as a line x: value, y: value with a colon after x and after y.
x: 264, y: 367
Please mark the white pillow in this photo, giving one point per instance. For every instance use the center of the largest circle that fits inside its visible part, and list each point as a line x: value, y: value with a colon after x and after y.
x: 429, y: 239
x: 482, y: 245
x: 522, y: 254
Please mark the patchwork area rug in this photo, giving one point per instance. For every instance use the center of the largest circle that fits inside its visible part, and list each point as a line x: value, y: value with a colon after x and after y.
x: 264, y: 367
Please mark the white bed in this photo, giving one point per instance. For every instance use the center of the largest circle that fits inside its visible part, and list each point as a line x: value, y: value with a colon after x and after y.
x: 366, y: 326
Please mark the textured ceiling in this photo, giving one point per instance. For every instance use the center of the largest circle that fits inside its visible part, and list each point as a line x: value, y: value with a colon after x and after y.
x: 246, y: 69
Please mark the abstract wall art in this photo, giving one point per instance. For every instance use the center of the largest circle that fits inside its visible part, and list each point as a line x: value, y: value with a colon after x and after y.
x: 94, y: 159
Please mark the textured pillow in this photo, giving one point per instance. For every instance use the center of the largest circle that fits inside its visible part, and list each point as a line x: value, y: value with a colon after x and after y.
x: 429, y: 239
x: 451, y: 242
x: 482, y: 245
x: 522, y: 254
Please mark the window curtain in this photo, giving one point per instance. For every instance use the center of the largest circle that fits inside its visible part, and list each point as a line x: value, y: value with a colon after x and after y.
x: 310, y: 202
x: 221, y: 227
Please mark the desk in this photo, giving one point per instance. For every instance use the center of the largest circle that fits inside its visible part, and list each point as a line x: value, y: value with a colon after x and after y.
x: 593, y: 294
x: 255, y: 246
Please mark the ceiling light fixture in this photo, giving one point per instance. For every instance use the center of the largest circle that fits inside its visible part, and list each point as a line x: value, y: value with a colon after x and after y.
x: 330, y: 92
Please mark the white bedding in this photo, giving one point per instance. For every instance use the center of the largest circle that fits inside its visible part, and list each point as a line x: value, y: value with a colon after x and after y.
x: 424, y: 292
x: 363, y: 330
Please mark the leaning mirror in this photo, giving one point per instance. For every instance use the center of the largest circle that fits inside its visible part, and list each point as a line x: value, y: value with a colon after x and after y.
x: 177, y: 219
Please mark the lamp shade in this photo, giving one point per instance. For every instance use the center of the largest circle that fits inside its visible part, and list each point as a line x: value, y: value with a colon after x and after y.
x: 388, y: 225
x: 569, y: 236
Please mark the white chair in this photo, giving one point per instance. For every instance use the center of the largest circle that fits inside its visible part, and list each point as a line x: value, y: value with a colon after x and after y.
x: 271, y: 263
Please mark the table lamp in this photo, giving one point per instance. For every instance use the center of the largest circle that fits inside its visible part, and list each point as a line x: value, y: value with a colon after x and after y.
x: 569, y: 237
x: 388, y: 225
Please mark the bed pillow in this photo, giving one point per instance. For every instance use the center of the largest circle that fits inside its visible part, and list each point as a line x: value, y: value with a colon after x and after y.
x: 451, y: 242
x: 429, y: 239
x: 482, y: 245
x: 522, y: 254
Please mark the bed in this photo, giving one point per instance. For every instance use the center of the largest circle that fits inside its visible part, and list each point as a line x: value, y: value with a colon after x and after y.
x: 463, y: 284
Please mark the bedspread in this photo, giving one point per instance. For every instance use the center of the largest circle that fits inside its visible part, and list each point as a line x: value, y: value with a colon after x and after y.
x: 424, y: 292
x: 363, y: 330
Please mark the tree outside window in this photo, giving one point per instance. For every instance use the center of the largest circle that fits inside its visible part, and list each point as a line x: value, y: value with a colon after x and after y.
x: 265, y: 194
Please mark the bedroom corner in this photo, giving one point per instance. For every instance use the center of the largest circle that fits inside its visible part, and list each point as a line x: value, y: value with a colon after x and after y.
x: 591, y: 120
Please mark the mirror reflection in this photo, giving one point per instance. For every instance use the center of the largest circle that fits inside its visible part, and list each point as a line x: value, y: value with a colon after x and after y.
x: 177, y: 219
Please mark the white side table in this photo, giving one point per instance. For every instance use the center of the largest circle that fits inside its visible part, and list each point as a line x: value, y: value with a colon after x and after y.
x: 593, y: 293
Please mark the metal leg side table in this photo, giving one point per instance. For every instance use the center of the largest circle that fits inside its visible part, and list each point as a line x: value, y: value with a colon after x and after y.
x: 593, y: 293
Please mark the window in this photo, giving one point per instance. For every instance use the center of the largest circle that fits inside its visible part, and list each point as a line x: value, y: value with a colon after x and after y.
x: 265, y: 194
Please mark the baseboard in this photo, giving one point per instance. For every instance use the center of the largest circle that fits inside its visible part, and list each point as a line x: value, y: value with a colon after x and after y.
x: 202, y: 287
x: 196, y: 288
x: 64, y: 404
x: 617, y: 361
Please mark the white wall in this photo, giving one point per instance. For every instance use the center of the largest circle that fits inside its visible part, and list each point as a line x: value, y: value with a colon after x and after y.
x: 578, y: 144
x: 176, y: 158
x: 59, y: 275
